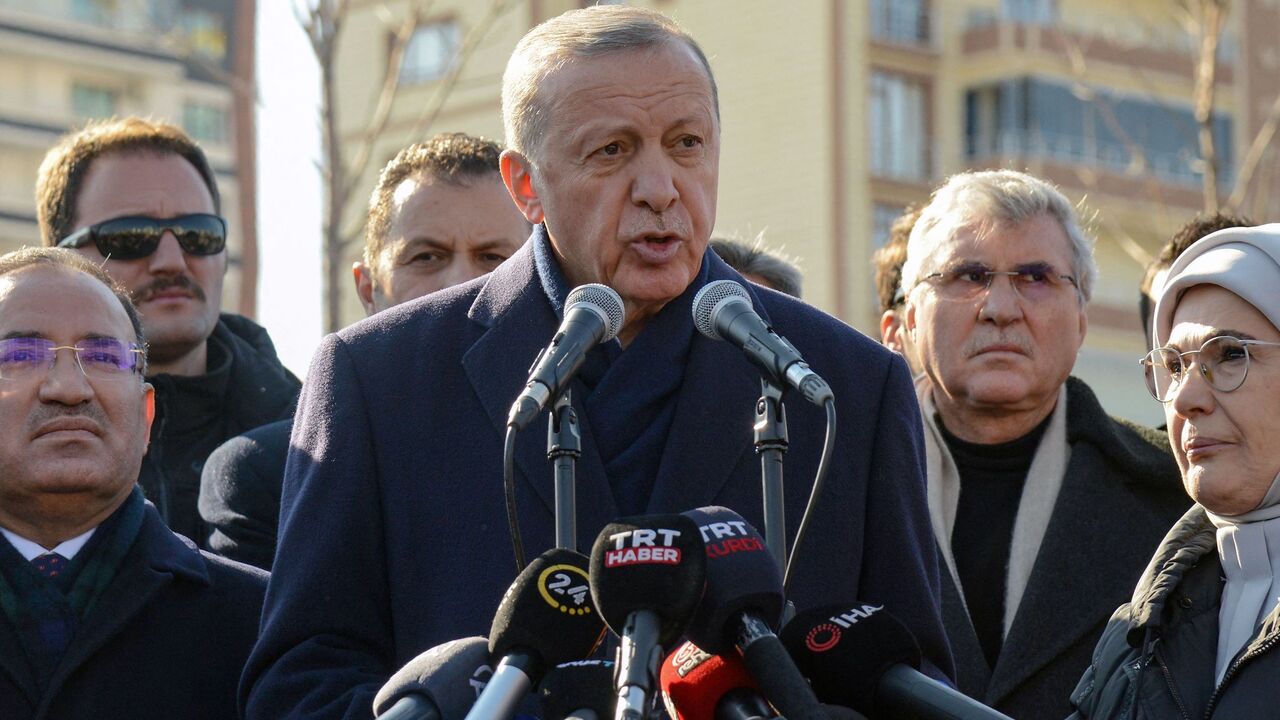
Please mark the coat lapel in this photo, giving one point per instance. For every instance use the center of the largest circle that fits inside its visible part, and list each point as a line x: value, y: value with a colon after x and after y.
x: 520, y: 323
x: 1070, y: 592
x: 156, y: 559
x: 13, y: 662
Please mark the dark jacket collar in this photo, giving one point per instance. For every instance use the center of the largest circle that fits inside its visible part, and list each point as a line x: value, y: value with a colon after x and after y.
x: 1088, y: 422
x: 245, y: 380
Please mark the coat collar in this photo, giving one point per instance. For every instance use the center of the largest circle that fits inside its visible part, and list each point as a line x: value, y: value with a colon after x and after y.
x: 157, y: 557
x: 1069, y: 589
x: 519, y: 320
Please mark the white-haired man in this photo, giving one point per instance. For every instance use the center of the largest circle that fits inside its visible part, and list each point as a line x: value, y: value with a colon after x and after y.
x: 1045, y: 508
x: 393, y: 528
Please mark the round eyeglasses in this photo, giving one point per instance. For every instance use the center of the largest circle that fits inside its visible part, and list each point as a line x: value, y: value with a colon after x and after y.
x: 1223, y: 361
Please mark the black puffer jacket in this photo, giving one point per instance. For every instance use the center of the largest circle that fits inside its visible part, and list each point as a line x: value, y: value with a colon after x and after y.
x: 245, y: 386
x: 1156, y: 659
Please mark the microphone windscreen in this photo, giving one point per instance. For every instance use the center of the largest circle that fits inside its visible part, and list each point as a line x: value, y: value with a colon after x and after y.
x: 577, y: 685
x: 548, y: 611
x: 741, y: 575
x: 844, y: 650
x: 442, y: 675
x: 708, y: 302
x: 649, y: 562
x: 694, y: 681
x: 604, y: 300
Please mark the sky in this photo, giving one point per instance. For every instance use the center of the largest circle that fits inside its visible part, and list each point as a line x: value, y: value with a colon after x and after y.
x: 289, y: 193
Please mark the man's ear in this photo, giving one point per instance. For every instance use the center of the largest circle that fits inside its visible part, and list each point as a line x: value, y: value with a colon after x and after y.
x: 891, y: 330
x: 364, y: 285
x: 517, y: 175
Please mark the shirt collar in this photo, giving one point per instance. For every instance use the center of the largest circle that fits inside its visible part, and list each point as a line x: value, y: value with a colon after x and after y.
x: 31, y: 550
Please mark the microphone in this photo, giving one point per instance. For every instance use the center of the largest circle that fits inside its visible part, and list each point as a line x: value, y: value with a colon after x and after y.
x: 647, y: 575
x: 592, y: 314
x: 722, y: 311
x: 741, y: 606
x: 859, y: 656
x: 439, y: 684
x: 545, y: 618
x: 578, y: 690
x: 697, y: 685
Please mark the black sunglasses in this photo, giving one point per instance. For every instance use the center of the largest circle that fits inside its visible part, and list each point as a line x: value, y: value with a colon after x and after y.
x: 136, y: 236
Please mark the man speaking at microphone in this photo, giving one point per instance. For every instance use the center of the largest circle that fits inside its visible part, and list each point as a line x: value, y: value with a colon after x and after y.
x: 393, y: 529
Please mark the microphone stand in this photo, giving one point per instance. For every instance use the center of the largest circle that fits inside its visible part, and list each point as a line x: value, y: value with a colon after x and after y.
x: 771, y: 443
x: 564, y: 447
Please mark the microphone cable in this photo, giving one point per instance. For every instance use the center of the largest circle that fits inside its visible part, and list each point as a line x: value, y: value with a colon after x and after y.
x: 824, y: 468
x: 509, y: 490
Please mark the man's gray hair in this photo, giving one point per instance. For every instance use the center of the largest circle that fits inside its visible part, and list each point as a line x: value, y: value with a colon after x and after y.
x: 586, y: 33
x: 979, y: 200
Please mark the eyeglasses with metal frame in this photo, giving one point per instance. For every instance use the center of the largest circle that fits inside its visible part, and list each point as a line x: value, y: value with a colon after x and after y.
x: 101, y: 358
x: 1034, y: 282
x: 1223, y: 361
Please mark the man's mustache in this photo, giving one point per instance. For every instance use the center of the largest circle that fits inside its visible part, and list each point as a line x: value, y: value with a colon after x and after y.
x: 181, y: 282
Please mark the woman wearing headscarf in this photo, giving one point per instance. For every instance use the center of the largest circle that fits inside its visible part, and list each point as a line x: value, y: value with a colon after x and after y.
x: 1199, y: 638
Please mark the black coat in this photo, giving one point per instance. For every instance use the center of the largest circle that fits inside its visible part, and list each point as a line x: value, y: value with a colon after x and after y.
x: 393, y: 534
x: 1158, y: 657
x: 245, y: 386
x: 167, y: 639
x: 240, y: 494
x: 1120, y: 494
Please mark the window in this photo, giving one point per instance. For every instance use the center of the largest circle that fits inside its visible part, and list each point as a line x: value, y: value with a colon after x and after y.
x: 899, y: 142
x: 91, y: 101
x: 430, y: 53
x: 205, y: 33
x: 205, y: 123
x: 1029, y: 117
x: 900, y: 21
x: 1030, y: 12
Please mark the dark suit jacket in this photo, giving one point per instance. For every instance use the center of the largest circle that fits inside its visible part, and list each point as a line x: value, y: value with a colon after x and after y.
x: 167, y: 639
x: 393, y: 532
x: 1121, y: 493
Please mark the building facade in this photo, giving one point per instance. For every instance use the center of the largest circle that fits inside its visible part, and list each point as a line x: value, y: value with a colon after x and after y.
x: 63, y: 62
x: 838, y: 113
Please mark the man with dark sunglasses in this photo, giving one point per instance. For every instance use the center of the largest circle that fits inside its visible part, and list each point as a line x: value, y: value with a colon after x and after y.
x: 140, y: 199
x: 104, y: 611
x: 1044, y: 507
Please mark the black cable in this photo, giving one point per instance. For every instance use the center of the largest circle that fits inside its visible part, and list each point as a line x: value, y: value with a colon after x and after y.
x: 509, y: 489
x: 824, y: 467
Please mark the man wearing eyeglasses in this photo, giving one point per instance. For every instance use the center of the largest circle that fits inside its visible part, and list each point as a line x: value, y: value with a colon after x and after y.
x: 139, y: 198
x: 104, y: 611
x: 1045, y: 508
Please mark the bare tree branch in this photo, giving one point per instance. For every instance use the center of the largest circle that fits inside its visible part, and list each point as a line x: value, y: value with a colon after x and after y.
x: 1211, y: 14
x: 1257, y: 151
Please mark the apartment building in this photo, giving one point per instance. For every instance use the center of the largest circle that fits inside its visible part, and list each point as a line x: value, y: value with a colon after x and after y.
x: 838, y: 113
x: 189, y: 62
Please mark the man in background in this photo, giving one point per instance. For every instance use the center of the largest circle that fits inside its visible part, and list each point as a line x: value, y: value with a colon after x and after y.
x: 104, y: 611
x: 759, y: 264
x: 888, y: 261
x: 1158, y: 268
x: 439, y: 216
x: 1044, y: 507
x: 139, y: 198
